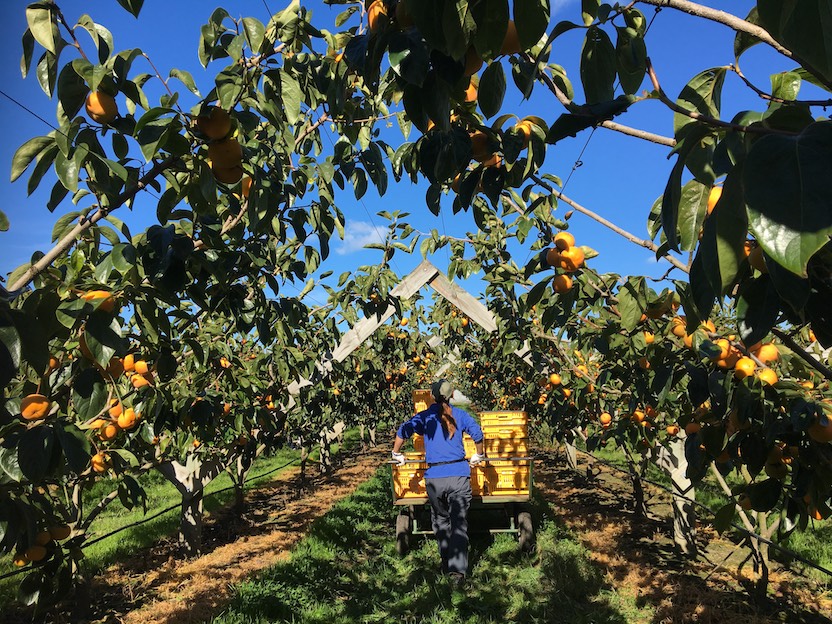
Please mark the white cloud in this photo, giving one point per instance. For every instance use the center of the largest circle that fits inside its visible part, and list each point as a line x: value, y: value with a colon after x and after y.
x: 358, y: 234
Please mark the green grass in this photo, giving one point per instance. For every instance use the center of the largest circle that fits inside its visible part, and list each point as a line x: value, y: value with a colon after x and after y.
x: 346, y: 570
x: 161, y: 494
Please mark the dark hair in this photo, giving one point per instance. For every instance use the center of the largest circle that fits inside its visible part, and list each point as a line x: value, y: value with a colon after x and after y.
x: 447, y: 419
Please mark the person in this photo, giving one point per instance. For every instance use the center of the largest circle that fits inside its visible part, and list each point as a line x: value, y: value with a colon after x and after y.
x: 448, y: 474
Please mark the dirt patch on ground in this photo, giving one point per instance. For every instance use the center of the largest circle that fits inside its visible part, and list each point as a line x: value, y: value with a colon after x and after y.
x: 157, y: 587
x: 638, y: 555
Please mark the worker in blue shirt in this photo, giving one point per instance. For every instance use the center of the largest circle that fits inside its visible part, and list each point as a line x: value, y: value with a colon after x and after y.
x: 448, y: 476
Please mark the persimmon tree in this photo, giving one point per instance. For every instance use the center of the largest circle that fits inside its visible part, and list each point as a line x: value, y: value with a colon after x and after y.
x: 248, y: 186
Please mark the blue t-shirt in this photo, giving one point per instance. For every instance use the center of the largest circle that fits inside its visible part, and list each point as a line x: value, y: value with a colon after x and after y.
x: 438, y: 448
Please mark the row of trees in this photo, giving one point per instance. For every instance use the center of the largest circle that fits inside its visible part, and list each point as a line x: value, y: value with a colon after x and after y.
x: 177, y: 347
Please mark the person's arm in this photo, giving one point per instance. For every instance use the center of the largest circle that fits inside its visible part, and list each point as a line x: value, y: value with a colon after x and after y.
x: 397, y: 444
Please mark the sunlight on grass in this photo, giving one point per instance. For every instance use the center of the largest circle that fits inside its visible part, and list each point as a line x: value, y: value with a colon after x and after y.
x: 347, y: 570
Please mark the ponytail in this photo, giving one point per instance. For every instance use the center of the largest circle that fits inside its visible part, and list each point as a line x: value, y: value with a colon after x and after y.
x: 447, y: 419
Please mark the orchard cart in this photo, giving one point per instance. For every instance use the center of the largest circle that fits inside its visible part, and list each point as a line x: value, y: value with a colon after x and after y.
x: 501, y: 486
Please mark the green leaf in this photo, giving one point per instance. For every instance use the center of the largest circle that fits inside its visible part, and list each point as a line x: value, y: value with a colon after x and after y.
x: 33, y: 338
x: 629, y: 305
x: 693, y: 205
x: 75, y: 445
x: 492, y: 20
x: 43, y: 24
x: 703, y: 94
x: 409, y: 57
x: 787, y: 194
x: 103, y: 336
x: 292, y: 97
x: 27, y: 152
x: 255, y: 31
x: 4, y: 222
x: 492, y: 90
x: 34, y: 452
x: 786, y: 85
x: 743, y: 41
x: 730, y: 223
x: 724, y: 517
x: 764, y: 494
x: 631, y: 60
x: 9, y: 464
x: 589, y: 10
x: 802, y: 27
x: 133, y: 6
x: 531, y: 20
x: 89, y: 394
x: 187, y: 79
x: 597, y: 66
x: 47, y: 72
x: 757, y: 309
x: 28, y: 43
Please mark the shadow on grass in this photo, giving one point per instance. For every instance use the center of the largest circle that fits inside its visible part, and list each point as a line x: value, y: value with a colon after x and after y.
x: 347, y: 570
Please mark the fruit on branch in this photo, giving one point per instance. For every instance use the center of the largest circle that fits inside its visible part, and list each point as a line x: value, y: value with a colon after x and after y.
x: 101, y: 299
x: 473, y: 62
x: 564, y: 240
x: 225, y: 154
x: 511, y: 42
x: 744, y: 367
x: 562, y: 283
x: 215, y: 123
x: 100, y: 462
x: 35, y: 407
x: 101, y: 107
x: 376, y: 15
x: 713, y: 198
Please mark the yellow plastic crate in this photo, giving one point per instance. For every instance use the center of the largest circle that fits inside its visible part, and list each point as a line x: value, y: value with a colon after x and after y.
x: 507, y: 431
x: 409, y: 481
x: 418, y: 443
x: 501, y: 478
x: 487, y: 419
x: 498, y: 447
x: 422, y: 399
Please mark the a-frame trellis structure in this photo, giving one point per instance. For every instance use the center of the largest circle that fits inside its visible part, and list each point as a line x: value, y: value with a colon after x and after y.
x: 426, y: 274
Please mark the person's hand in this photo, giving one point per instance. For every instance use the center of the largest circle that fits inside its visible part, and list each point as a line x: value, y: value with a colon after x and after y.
x: 398, y: 458
x: 476, y: 459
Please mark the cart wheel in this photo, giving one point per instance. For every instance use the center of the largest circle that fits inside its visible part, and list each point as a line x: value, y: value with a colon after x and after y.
x: 403, y: 528
x: 525, y: 531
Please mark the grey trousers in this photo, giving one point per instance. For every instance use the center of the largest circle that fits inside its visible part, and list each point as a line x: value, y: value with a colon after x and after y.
x: 450, y: 498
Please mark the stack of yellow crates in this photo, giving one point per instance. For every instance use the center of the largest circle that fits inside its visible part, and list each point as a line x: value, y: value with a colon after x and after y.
x: 505, y: 435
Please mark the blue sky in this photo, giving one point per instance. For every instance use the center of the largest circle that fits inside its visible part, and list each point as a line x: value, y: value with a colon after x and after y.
x: 619, y: 178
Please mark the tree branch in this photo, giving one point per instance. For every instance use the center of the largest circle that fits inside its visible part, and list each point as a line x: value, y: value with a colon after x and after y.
x: 85, y: 224
x: 802, y: 353
x: 609, y: 224
x: 610, y: 125
x: 696, y: 115
x: 737, y: 24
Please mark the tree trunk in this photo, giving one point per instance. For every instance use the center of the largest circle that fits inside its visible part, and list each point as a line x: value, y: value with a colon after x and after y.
x: 571, y: 451
x: 673, y: 461
x: 325, y: 452
x: 190, y: 480
x: 372, y: 432
x: 639, y: 502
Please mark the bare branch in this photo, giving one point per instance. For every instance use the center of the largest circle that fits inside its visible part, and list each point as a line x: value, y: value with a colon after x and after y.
x: 739, y: 25
x: 85, y: 224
